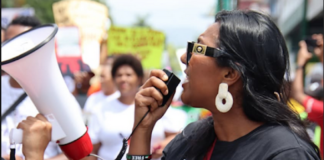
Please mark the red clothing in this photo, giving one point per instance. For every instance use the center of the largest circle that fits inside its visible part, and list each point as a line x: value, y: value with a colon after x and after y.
x: 314, y: 108
x: 210, y: 151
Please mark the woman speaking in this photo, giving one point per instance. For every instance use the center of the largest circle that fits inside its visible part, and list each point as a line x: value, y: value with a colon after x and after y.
x: 236, y: 71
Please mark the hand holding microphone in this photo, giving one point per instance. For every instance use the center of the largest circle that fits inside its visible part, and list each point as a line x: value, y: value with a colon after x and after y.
x: 155, y: 95
x: 36, y: 136
x: 151, y: 102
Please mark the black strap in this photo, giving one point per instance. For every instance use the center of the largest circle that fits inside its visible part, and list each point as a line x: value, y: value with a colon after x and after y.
x: 12, y: 154
x: 13, y: 106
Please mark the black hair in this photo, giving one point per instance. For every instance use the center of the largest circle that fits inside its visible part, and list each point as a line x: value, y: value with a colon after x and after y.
x: 130, y: 60
x: 257, y: 50
x: 30, y: 21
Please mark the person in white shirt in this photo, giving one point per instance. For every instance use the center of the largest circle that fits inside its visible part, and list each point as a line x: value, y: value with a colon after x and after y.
x: 114, y: 119
x: 11, y: 91
x: 108, y: 88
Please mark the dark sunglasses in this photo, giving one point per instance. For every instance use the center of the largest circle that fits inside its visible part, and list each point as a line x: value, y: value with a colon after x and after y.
x: 194, y: 47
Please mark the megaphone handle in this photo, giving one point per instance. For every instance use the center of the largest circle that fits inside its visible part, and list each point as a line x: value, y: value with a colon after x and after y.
x: 16, y: 135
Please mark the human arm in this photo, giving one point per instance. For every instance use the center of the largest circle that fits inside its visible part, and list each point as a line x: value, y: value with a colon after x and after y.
x: 148, y: 98
x: 36, y: 136
x: 314, y: 108
x: 297, y: 85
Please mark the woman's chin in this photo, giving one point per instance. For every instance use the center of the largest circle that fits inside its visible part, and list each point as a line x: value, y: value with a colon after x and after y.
x: 185, y: 98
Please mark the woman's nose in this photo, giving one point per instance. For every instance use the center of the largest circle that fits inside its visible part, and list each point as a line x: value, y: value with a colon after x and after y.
x: 123, y: 78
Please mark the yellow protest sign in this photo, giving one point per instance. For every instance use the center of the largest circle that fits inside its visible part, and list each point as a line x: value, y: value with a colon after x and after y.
x: 146, y: 43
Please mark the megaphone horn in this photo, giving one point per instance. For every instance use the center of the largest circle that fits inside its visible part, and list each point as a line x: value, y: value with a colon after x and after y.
x: 30, y: 59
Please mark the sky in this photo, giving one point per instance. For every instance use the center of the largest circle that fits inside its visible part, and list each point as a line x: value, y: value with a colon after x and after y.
x: 180, y: 20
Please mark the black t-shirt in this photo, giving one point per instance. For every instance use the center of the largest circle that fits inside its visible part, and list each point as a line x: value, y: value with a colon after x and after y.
x: 267, y: 142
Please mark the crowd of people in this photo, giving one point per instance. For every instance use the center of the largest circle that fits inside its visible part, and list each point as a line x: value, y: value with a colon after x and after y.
x: 252, y: 116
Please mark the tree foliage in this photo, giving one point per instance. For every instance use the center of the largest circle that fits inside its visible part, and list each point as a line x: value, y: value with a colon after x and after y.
x: 141, y: 21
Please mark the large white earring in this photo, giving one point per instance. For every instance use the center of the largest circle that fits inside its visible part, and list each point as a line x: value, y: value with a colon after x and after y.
x: 223, y: 94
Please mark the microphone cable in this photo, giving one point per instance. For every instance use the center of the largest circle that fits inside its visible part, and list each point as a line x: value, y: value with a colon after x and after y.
x: 124, y: 147
x: 91, y: 154
x: 12, y: 152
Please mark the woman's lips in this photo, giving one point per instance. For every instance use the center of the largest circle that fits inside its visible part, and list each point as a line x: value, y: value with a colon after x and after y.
x: 123, y: 86
x: 185, y: 81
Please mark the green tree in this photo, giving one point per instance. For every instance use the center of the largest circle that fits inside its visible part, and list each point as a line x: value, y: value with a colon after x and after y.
x: 43, y: 8
x: 141, y: 21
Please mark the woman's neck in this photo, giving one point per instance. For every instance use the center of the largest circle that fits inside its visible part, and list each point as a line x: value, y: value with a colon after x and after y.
x: 128, y: 100
x: 233, y: 125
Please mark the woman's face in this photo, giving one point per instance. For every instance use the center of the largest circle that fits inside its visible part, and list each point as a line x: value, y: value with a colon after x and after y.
x: 106, y: 79
x: 203, y: 75
x: 127, y: 80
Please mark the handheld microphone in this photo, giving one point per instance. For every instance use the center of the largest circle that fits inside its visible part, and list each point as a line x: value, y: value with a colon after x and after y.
x: 172, y: 83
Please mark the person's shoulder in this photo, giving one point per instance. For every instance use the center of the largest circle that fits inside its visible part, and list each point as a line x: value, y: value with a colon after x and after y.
x: 194, y: 126
x: 180, y: 144
x: 93, y: 100
x: 190, y: 130
x: 96, y: 94
x: 280, y: 135
x: 111, y: 102
x: 295, y: 153
x: 115, y: 95
x: 106, y: 105
x: 280, y: 139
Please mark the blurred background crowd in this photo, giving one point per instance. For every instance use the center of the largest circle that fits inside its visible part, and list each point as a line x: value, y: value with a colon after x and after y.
x: 106, y: 49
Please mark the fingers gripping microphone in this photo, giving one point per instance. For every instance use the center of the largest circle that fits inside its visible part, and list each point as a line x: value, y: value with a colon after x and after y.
x: 30, y: 59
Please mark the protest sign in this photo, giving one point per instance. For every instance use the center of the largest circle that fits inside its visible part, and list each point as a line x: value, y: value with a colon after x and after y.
x: 91, y: 18
x: 146, y: 43
x: 68, y: 50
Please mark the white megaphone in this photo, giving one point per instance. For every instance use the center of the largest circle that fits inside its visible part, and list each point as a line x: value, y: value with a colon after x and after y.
x: 30, y: 59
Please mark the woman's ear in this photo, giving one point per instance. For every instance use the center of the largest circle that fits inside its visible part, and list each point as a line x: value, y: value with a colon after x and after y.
x: 231, y: 76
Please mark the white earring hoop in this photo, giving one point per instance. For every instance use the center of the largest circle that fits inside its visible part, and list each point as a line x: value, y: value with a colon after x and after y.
x: 223, y: 94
